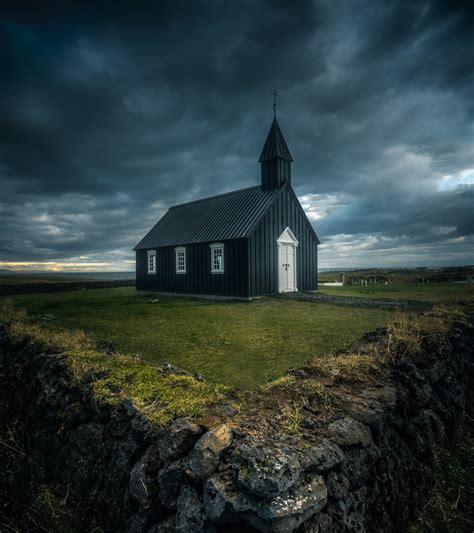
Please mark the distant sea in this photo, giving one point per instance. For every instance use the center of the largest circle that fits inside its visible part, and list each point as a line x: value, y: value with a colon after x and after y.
x: 79, y: 275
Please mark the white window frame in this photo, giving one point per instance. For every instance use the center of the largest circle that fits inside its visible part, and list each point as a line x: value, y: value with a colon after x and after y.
x: 216, y: 246
x: 178, y: 251
x: 150, y: 254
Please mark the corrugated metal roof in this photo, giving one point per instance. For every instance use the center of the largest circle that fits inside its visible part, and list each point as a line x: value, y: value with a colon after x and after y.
x: 275, y: 145
x: 226, y: 216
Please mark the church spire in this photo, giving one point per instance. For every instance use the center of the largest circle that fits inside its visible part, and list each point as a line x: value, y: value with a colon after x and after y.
x: 275, y: 159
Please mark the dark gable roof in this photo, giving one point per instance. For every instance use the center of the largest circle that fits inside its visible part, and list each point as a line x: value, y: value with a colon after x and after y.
x: 227, y: 216
x: 275, y: 145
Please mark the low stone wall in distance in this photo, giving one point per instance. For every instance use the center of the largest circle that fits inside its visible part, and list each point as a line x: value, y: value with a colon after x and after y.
x: 32, y: 288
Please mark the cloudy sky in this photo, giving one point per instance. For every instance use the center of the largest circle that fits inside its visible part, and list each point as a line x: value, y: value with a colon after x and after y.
x: 112, y: 111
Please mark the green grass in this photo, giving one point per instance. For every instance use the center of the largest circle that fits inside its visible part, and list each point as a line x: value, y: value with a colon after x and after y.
x: 240, y: 344
x: 428, y: 292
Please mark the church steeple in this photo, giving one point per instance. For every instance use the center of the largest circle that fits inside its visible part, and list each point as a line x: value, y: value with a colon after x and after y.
x: 275, y: 159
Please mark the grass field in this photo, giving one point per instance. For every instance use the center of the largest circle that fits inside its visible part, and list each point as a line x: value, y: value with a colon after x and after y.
x: 428, y: 292
x: 241, y: 344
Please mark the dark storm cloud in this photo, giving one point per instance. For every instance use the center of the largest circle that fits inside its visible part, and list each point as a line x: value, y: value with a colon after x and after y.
x: 111, y: 111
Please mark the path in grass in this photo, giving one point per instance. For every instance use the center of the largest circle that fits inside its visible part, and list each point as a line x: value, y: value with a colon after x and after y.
x: 242, y: 344
x: 428, y: 292
x: 359, y: 301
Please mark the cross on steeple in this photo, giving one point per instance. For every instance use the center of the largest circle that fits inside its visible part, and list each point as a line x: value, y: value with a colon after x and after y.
x: 275, y: 94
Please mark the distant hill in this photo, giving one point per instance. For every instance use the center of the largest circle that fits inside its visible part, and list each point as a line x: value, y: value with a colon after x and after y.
x: 5, y: 271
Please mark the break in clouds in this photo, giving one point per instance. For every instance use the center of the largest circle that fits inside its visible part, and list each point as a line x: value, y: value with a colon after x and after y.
x: 112, y: 111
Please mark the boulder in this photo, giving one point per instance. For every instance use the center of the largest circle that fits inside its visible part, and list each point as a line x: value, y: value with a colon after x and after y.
x: 366, y: 411
x: 179, y: 439
x: 224, y: 504
x: 349, y: 432
x: 421, y: 392
x: 123, y: 456
x: 322, y: 457
x: 137, y: 486
x: 265, y: 470
x: 207, y: 452
x: 189, y: 517
x: 359, y: 465
x: 170, y: 480
x: 142, y: 484
x: 288, y: 511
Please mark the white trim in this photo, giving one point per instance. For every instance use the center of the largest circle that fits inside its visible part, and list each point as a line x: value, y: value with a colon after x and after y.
x: 178, y: 250
x: 216, y: 246
x: 151, y: 253
x: 287, y: 237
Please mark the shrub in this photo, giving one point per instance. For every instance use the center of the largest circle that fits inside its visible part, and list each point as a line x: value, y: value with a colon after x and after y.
x: 404, y: 337
x: 410, y: 336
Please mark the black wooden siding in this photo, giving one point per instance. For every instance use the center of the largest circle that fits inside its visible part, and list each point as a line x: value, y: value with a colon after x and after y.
x: 263, y: 252
x: 274, y: 173
x: 198, y: 278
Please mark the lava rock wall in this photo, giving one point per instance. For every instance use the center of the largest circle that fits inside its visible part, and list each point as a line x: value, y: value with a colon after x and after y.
x: 366, y: 469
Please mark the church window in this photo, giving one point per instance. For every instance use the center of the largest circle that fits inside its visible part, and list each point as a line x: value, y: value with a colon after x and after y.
x: 217, y: 258
x: 151, y: 261
x: 180, y: 260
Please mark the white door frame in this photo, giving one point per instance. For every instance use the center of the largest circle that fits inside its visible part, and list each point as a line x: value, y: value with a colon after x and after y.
x: 287, y: 238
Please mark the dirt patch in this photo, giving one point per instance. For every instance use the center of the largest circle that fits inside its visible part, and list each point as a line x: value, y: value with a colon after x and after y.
x: 408, y: 305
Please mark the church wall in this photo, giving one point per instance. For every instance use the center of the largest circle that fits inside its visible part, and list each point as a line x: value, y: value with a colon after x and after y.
x: 263, y: 253
x: 198, y: 278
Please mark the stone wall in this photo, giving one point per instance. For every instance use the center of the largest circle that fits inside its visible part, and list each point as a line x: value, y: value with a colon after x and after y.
x: 366, y: 467
x: 7, y: 289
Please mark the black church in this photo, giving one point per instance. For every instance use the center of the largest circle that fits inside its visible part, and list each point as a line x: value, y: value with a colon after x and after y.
x: 244, y: 243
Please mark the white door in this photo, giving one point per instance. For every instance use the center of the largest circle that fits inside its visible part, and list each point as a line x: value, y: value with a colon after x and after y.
x: 286, y: 259
x: 287, y: 243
